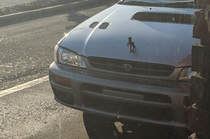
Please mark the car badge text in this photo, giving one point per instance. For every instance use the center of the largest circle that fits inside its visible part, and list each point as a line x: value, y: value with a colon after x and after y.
x: 127, y: 67
x: 131, y: 45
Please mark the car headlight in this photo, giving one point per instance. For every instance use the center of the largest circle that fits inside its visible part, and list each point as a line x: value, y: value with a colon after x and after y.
x: 67, y: 57
x: 186, y: 74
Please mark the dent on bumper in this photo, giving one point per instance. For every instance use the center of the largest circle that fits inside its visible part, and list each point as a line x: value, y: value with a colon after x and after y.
x: 79, y: 77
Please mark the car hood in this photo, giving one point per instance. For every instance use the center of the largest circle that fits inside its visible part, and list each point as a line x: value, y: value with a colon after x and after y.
x: 156, y: 42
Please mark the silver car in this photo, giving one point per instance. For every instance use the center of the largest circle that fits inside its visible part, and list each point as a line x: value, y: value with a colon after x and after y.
x: 131, y: 63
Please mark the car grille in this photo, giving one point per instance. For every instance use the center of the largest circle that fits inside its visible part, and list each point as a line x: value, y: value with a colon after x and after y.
x: 142, y: 105
x: 138, y: 68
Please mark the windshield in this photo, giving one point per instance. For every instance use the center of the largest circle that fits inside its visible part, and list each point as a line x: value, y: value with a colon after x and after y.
x: 162, y: 3
x: 159, y: 1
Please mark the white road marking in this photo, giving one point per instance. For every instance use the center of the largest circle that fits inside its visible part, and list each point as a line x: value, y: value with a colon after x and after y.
x: 23, y: 86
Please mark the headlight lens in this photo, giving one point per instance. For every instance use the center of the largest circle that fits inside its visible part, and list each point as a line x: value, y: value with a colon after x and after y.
x: 186, y: 74
x: 67, y: 57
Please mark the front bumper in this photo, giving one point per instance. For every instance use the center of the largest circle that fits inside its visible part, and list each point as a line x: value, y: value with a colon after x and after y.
x: 124, y: 97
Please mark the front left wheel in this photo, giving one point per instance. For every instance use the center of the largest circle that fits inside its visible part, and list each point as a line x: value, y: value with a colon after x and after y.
x: 99, y: 127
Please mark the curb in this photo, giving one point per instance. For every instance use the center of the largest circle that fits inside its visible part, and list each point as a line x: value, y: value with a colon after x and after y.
x: 50, y: 11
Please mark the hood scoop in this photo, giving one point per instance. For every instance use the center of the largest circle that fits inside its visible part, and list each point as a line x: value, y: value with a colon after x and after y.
x: 94, y: 24
x: 104, y: 25
x: 164, y: 17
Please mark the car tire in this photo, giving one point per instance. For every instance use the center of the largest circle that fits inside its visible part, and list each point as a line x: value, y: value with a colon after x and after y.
x: 99, y: 127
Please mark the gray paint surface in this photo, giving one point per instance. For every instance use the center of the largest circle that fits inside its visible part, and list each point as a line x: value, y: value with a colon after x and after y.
x: 163, y: 43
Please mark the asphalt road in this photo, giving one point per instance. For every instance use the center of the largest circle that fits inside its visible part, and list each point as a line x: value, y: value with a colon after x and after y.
x: 7, y: 3
x: 26, y: 53
x: 27, y: 48
x: 33, y: 113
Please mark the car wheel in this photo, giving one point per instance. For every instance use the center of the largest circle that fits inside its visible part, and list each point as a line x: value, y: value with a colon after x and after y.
x: 99, y: 127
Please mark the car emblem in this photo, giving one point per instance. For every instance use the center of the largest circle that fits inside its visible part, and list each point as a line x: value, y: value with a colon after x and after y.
x: 131, y: 45
x: 127, y: 67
